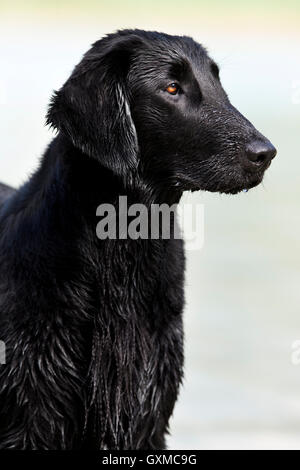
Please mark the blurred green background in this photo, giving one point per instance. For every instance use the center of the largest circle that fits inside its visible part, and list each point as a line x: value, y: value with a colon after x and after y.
x: 242, y: 315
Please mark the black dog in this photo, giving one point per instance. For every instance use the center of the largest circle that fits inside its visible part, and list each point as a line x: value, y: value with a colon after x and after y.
x: 93, y: 328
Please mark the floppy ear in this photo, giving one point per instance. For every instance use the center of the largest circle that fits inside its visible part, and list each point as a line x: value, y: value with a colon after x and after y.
x: 92, y: 107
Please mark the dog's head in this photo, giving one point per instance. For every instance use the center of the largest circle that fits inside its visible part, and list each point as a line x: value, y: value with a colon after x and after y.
x: 152, y: 106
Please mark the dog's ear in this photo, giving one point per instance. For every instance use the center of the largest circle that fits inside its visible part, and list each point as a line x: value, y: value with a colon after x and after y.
x: 92, y: 107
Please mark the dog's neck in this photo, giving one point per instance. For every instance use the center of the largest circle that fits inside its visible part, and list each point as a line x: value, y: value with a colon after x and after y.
x: 69, y: 182
x: 90, y: 183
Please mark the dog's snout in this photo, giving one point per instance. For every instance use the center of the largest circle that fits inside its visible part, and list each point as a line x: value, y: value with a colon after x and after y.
x: 260, y: 153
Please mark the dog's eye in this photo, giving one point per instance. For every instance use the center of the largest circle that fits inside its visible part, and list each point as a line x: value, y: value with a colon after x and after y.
x: 173, y: 88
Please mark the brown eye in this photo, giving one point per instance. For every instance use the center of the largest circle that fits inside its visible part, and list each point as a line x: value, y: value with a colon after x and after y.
x: 173, y: 88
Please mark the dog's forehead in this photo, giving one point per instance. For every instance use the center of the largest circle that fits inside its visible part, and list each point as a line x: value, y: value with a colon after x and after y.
x: 193, y: 51
x: 159, y: 55
x: 174, y: 47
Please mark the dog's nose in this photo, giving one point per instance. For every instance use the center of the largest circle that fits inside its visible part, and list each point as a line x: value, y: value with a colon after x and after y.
x: 260, y: 153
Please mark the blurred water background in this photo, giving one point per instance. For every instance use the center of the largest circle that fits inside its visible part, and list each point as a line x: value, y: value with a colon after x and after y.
x: 241, y: 389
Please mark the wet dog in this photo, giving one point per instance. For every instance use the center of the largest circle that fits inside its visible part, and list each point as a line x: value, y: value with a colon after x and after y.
x: 93, y: 328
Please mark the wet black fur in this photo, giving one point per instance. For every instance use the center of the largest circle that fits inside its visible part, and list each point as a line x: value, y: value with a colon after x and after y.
x: 93, y: 329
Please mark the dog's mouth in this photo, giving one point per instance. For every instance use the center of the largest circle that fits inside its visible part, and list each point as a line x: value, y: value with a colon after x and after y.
x: 249, y: 183
x: 244, y: 184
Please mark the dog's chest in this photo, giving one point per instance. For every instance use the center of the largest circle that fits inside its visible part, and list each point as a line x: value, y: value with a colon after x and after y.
x: 138, y: 343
